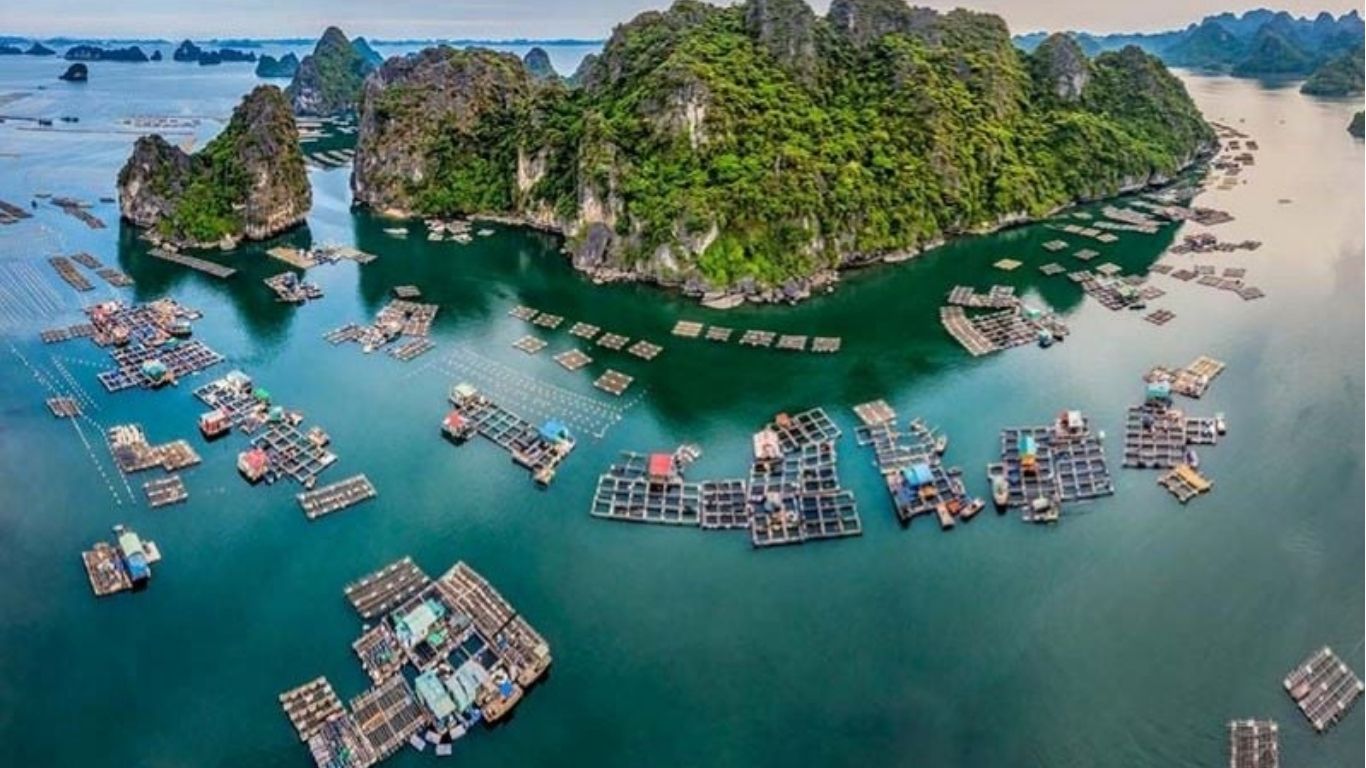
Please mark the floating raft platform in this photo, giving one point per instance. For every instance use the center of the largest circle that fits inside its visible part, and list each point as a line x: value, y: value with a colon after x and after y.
x: 630, y: 493
x: 573, y: 359
x: 1008, y: 265
x: 535, y: 449
x: 104, y: 568
x: 292, y: 454
x: 379, y: 593
x: 1160, y: 317
x: 522, y: 312
x: 64, y: 407
x: 614, y: 382
x: 826, y: 345
x: 412, y: 349
x: 687, y: 329
x: 916, y: 477
x: 996, y: 297
x: 1324, y: 688
x: 58, y: 335
x: 1253, y: 744
x: 1068, y: 463
x: 68, y: 272
x: 1156, y: 436
x: 719, y: 333
x: 530, y: 344
x: 213, y: 269
x: 289, y: 288
x: 1055, y: 245
x: 406, y: 292
x: 114, y: 277
x: 387, y: 716
x: 1192, y: 381
x: 379, y: 652
x: 807, y: 427
x: 798, y: 499
x: 792, y: 343
x: 754, y: 338
x: 294, y: 257
x: 547, y: 320
x: 612, y: 341
x: 875, y: 412
x: 1185, y: 483
x: 1085, y: 254
x: 1052, y: 269
x: 645, y: 350
x: 336, y: 496
x: 584, y: 331
x: 310, y: 706
x: 165, y: 491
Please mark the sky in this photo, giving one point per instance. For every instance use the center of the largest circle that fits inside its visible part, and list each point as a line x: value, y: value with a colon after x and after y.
x: 502, y: 19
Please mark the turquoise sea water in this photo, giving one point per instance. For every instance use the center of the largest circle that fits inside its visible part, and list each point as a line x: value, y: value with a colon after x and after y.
x: 1127, y: 635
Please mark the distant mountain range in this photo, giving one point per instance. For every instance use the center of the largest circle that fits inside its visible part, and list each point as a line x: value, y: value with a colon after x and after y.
x: 1259, y: 42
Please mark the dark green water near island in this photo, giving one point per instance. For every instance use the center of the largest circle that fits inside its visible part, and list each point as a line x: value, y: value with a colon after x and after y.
x: 1129, y: 634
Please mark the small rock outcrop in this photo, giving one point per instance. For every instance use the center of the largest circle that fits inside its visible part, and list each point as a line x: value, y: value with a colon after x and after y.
x: 249, y: 182
x: 187, y: 52
x: 1358, y: 125
x: 1062, y: 66
x: 38, y: 49
x: 284, y: 67
x: 537, y: 63
x: 328, y: 81
x: 156, y: 56
x: 787, y: 30
x: 864, y: 22
x: 76, y: 73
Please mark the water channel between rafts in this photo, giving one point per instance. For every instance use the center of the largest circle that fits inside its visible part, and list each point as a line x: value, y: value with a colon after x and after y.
x: 1127, y: 635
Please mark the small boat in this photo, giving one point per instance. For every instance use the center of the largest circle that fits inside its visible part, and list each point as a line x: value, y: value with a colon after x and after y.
x: 1046, y: 338
x: 1192, y: 458
x: 1138, y: 305
x: 396, y: 231
x: 1220, y: 426
x: 1000, y: 488
x: 1042, y: 510
x: 941, y: 444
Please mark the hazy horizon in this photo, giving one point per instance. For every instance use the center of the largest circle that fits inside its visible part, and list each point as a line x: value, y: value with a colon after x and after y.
x: 537, y: 19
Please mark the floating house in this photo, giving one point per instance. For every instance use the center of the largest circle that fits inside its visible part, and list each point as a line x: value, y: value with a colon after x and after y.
x: 156, y: 372
x: 456, y: 427
x: 253, y: 464
x: 214, y: 423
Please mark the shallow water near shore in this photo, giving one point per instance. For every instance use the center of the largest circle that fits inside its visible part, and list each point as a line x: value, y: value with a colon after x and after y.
x: 1129, y: 634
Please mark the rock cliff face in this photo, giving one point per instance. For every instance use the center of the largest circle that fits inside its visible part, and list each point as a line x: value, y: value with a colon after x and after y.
x: 248, y: 182
x: 435, y: 131
x: 328, y: 81
x: 759, y: 144
x: 1060, y: 66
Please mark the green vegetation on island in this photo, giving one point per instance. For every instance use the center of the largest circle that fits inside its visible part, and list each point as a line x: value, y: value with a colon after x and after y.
x: 760, y: 143
x: 248, y: 182
x: 328, y: 81
x: 1358, y: 125
x: 1344, y: 75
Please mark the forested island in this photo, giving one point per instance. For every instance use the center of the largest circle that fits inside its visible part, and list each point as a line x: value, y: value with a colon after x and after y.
x: 759, y: 145
x: 249, y: 182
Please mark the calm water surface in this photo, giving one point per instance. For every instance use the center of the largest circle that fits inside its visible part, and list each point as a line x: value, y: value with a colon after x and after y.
x: 1127, y: 635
